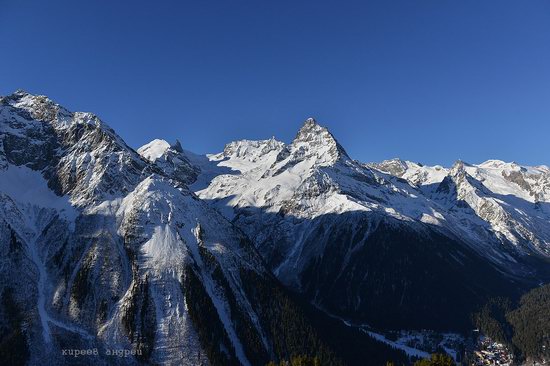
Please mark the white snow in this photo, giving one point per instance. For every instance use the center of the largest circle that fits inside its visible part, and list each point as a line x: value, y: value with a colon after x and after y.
x: 154, y: 149
x: 408, y: 350
x: 28, y: 186
x: 43, y: 284
x: 42, y: 279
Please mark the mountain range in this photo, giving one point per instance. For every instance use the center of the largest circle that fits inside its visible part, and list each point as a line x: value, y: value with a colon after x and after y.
x: 258, y: 253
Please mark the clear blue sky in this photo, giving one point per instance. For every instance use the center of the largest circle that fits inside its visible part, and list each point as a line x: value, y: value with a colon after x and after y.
x: 426, y: 80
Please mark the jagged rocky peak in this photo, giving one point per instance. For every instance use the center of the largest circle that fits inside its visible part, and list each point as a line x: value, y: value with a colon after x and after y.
x: 39, y: 107
x: 252, y: 149
x: 21, y: 95
x: 171, y: 159
x: 316, y: 139
x: 464, y: 176
x: 417, y: 174
x: 76, y: 153
x: 394, y: 166
x: 458, y: 169
x: 312, y: 132
x: 177, y: 146
x: 455, y: 177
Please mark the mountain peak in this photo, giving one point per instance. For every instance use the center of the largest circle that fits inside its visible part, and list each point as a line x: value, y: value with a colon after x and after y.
x: 311, y: 126
x: 177, y: 146
x: 21, y: 95
x: 21, y: 92
x: 154, y: 149
x: 492, y: 163
x: 310, y: 122
x: 40, y: 107
x: 394, y: 166
x: 457, y: 169
x: 316, y: 137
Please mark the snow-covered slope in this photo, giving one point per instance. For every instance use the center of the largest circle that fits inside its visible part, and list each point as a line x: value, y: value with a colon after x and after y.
x: 170, y: 159
x: 101, y: 248
x: 413, y: 172
x: 512, y: 200
x: 312, y: 211
x: 310, y: 177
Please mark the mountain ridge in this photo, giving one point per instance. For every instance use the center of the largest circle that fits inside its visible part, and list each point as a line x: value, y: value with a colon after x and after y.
x: 105, y: 250
x: 158, y: 249
x: 286, y: 196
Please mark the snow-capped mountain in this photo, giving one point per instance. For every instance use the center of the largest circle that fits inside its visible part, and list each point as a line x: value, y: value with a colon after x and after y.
x: 512, y: 199
x: 107, y: 251
x: 174, y: 258
x: 170, y: 159
x: 417, y: 174
x: 340, y: 231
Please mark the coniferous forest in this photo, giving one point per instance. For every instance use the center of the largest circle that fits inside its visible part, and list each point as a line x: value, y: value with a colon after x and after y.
x: 525, y: 326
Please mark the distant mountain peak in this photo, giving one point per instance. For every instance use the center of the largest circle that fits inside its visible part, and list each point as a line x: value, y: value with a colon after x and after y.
x: 395, y: 166
x: 313, y: 136
x: 251, y: 149
x: 458, y: 168
x: 309, y: 129
x: 170, y: 158
x: 492, y: 163
x: 38, y: 105
x: 21, y: 96
x: 177, y: 146
x: 154, y: 149
x: 21, y: 93
x: 42, y: 108
x: 310, y: 121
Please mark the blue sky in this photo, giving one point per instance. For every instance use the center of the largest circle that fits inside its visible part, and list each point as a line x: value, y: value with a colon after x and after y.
x: 429, y: 80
